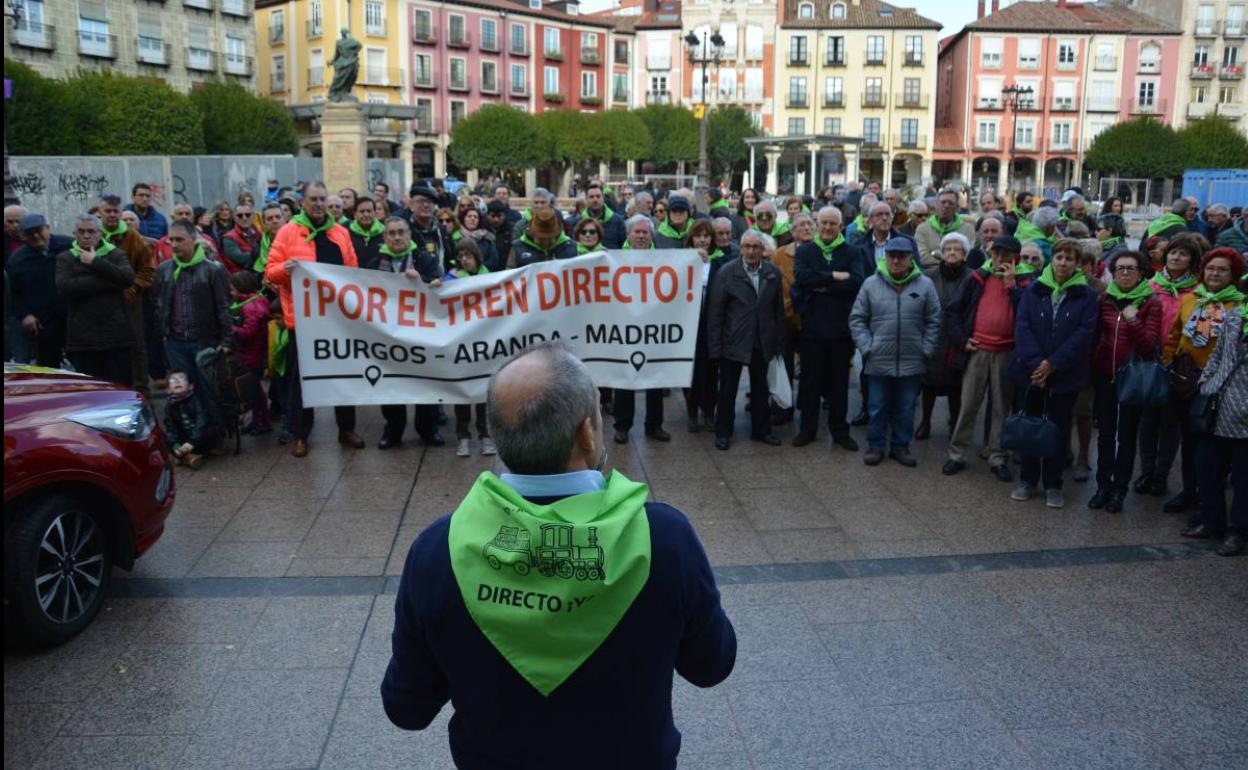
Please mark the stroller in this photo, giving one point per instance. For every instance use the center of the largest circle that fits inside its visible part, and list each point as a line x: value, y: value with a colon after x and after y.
x: 228, y: 388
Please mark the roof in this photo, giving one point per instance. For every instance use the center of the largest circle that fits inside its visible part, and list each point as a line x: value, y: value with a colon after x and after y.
x: 948, y: 139
x: 865, y: 14
x: 516, y: 7
x: 665, y: 16
x: 1075, y: 17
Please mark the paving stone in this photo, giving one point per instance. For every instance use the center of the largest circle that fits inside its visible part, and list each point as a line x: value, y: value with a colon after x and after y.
x: 848, y: 601
x: 206, y: 506
x: 245, y: 560
x: 367, y: 491
x: 357, y: 533
x: 29, y: 728
x: 809, y: 545
x: 307, y: 632
x: 705, y: 721
x: 335, y: 566
x: 272, y: 521
x: 68, y: 673
x: 123, y: 752
x: 363, y: 737
x: 1234, y: 761
x: 954, y: 733
x: 173, y: 555
x: 204, y: 621
x: 891, y: 663
x: 772, y: 508
x: 776, y: 642
x: 1112, y: 746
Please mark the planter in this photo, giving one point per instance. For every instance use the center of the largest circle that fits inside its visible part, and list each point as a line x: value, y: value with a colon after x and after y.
x: 556, y: 98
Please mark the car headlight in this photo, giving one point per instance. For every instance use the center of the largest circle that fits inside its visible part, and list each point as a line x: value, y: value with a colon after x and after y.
x: 133, y: 421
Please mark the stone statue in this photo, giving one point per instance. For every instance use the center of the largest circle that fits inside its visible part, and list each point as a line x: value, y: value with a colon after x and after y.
x: 346, y: 64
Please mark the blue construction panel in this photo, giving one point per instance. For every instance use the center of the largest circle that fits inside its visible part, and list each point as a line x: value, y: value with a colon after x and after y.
x: 1217, y: 185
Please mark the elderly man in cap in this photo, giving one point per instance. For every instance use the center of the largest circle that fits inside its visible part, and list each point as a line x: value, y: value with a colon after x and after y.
x: 896, y: 325
x: 543, y: 241
x: 92, y: 277
x: 37, y: 305
x: 946, y: 220
x: 427, y: 235
x: 674, y: 230
x: 979, y: 324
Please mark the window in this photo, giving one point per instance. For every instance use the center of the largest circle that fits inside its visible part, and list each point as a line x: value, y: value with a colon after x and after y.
x: 589, y: 40
x: 873, y: 96
x: 871, y: 131
x: 489, y: 76
x: 753, y: 42
x: 457, y: 30
x: 550, y: 80
x: 1101, y: 94
x: 316, y: 18
x: 151, y: 41
x: 459, y: 110
x: 1025, y: 135
x: 1066, y: 54
x: 277, y: 73
x: 914, y: 49
x: 1204, y: 19
x: 459, y: 73
x: 1061, y: 134
x: 1230, y: 56
x: 797, y: 50
x: 424, y: 116
x: 375, y: 66
x: 1028, y: 53
x: 836, y: 51
x: 93, y: 37
x: 422, y: 25
x: 519, y: 40
x: 910, y: 91
x: 199, y: 53
x: 236, y: 55
x: 797, y: 126
x: 1200, y: 94
x: 728, y: 32
x: 806, y: 11
x: 619, y: 87
x: 990, y: 52
x: 621, y: 52
x: 797, y: 92
x: 1228, y: 95
x: 754, y: 84
x: 489, y: 34
x: 834, y: 92
x: 550, y: 41
x: 659, y: 52
x: 589, y: 85
x: 728, y: 83
x: 989, y: 93
x: 1093, y: 130
x: 1063, y: 95
x: 423, y: 70
x: 986, y: 134
x: 374, y: 18
x: 316, y: 67
x: 658, y: 84
x: 1234, y: 24
x: 519, y: 79
x: 1146, y: 94
x: 277, y: 25
x: 1150, y: 57
x: 909, y: 132
x: 875, y: 49
x: 838, y: 10
x: 832, y: 126
x: 1200, y: 56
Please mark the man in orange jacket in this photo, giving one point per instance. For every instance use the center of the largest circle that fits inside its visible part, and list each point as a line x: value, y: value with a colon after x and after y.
x: 310, y: 236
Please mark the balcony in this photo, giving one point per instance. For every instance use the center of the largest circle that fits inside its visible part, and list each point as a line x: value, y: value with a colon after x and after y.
x: 519, y: 48
x: 835, y: 60
x: 314, y: 28
x: 1232, y: 72
x: 870, y: 99
x: 658, y: 62
x: 277, y: 35
x: 1065, y: 104
x: 1148, y: 107
x: 1066, y: 66
x: 235, y: 8
x: 423, y: 79
x: 277, y: 82
x: 874, y: 59
x: 1102, y: 105
x: 871, y: 141
x: 990, y: 61
x: 658, y: 97
x: 1231, y: 110
x: 462, y: 84
x: 1105, y: 63
x: 385, y: 77
x: 553, y: 54
x: 424, y: 35
x: 423, y: 124
x: 796, y: 100
x: 1059, y: 145
x: 913, y: 60
x: 459, y: 39
x: 201, y: 59
x: 911, y: 101
x: 240, y: 66
x: 554, y: 97
x: 199, y: 5
x: 1029, y: 62
x: 376, y: 28
x: 519, y: 91
x: 989, y: 104
x: 591, y: 100
x: 1025, y: 143
x: 799, y: 60
x: 909, y: 141
x: 1200, y: 109
x: 97, y: 46
x: 153, y: 52
x: 987, y: 144
x: 1202, y: 72
x: 1206, y: 28
x: 591, y: 56
x: 1032, y: 104
x: 1234, y: 28
x: 834, y: 100
x: 1149, y: 67
x: 32, y: 34
x: 316, y: 77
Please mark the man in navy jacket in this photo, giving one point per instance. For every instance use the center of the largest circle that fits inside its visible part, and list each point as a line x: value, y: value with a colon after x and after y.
x: 613, y: 708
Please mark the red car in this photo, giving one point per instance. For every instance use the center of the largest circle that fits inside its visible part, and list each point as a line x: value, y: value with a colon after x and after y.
x: 88, y: 484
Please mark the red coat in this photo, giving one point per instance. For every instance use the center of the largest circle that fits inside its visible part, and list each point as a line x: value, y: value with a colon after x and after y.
x: 291, y: 242
x: 1116, y: 337
x: 251, y: 337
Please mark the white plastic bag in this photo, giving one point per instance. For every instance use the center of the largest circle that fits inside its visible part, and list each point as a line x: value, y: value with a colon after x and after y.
x: 778, y: 383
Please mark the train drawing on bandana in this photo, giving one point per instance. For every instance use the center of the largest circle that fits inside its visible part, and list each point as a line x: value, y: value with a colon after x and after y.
x: 555, y: 556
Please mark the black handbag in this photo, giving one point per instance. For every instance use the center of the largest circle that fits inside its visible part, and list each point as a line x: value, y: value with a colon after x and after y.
x: 1184, y: 377
x: 1034, y: 435
x: 1142, y: 383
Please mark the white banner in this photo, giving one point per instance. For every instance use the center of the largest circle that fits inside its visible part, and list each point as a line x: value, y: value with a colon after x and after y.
x: 368, y: 337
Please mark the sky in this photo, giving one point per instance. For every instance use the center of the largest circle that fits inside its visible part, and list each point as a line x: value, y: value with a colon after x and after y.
x: 954, y: 14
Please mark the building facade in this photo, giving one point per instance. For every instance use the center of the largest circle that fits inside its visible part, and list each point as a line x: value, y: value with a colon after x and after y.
x: 744, y: 73
x: 1081, y: 69
x: 181, y: 43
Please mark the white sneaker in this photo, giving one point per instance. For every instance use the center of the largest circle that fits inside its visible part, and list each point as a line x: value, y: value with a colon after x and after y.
x: 1022, y: 492
x: 487, y: 447
x: 463, y: 450
x: 1054, y: 499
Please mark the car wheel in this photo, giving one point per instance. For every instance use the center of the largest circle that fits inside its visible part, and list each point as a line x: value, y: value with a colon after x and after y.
x: 59, y: 569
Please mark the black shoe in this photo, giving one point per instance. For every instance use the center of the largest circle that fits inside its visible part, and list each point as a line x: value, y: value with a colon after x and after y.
x: 904, y: 457
x: 721, y: 443
x: 694, y: 426
x: 803, y: 438
x: 1002, y: 472
x: 1157, y: 486
x: 621, y: 437
x: 952, y: 467
x: 389, y: 442
x: 1142, y: 484
x: 767, y: 439
x: 433, y: 439
x: 1201, y: 532
x: 862, y: 419
x: 845, y: 441
x: 1177, y: 504
x: 923, y: 432
x: 1115, y: 501
x: 658, y: 434
x: 1233, y: 545
x: 1099, y: 499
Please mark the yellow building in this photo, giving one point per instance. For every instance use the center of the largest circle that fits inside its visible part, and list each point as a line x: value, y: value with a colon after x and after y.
x: 855, y: 94
x: 295, y: 42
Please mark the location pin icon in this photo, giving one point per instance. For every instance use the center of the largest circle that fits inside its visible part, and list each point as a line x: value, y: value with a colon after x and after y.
x: 372, y: 374
x: 637, y: 359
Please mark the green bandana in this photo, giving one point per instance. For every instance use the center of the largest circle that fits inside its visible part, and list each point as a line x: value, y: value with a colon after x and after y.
x: 943, y: 230
x: 1243, y: 319
x: 111, y: 234
x: 1047, y: 278
x: 607, y: 214
x: 456, y: 236
x: 1165, y: 222
x: 1162, y: 281
x: 377, y: 229
x: 860, y: 225
x: 1016, y: 211
x: 262, y: 260
x: 196, y: 258
x: 989, y: 269
x: 345, y: 220
x: 881, y: 267
x: 714, y: 255
x: 235, y: 307
x: 396, y: 257
x: 459, y: 272
x: 828, y: 248
x: 718, y: 205
x: 546, y: 584
x: 583, y: 249
x: 1137, y: 296
x: 1110, y: 243
x: 667, y: 231
x: 562, y: 239
x: 302, y: 220
x: 1227, y: 294
x: 1026, y: 232
x: 777, y: 230
x: 281, y: 341
x: 103, y: 248
x: 628, y: 245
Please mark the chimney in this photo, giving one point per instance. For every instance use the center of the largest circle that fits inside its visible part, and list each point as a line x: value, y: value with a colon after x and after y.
x: 996, y: 5
x: 981, y: 10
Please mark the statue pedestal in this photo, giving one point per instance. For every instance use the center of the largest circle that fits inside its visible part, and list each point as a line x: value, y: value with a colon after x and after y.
x: 344, y: 145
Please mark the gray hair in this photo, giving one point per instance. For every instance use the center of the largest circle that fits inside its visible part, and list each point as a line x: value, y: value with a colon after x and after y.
x: 187, y: 228
x: 764, y: 206
x: 544, y: 194
x: 1091, y: 248
x: 721, y: 221
x: 1181, y: 205
x: 867, y: 202
x: 91, y: 219
x: 535, y: 436
x: 885, y: 204
x: 1076, y: 199
x: 334, y: 198
x: 634, y: 219
x: 1045, y: 217
x: 917, y: 208
x: 317, y: 186
x: 766, y: 241
x: 1077, y: 229
x: 397, y: 219
x: 834, y: 210
x: 957, y: 238
x: 1217, y: 208
x: 793, y: 221
x: 643, y: 196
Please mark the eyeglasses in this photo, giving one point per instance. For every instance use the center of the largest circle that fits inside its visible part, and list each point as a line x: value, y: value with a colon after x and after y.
x: 444, y: 220
x: 1126, y: 269
x: 589, y: 232
x: 395, y: 232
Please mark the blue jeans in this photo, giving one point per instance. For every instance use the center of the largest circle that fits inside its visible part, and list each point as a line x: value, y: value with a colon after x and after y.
x: 890, y: 401
x: 181, y: 357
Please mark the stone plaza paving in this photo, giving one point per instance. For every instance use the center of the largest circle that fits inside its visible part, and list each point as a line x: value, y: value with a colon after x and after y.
x: 887, y: 618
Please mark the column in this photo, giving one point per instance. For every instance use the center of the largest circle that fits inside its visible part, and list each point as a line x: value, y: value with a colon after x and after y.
x: 471, y: 178
x: 773, y: 171
x: 439, y: 161
x: 406, y: 149
x: 1003, y: 176
x: 851, y: 164
x: 814, y: 173
x: 749, y: 174
x: 530, y: 182
x: 604, y: 171
x: 926, y: 174
x: 631, y: 170
x: 565, y: 183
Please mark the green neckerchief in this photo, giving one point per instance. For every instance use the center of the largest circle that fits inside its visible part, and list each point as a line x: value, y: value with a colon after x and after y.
x: 777, y: 230
x: 859, y: 224
x: 459, y: 272
x: 1062, y: 217
x: 1137, y: 296
x: 456, y: 236
x: 1243, y: 319
x: 714, y: 255
x: 943, y: 230
x: 103, y: 248
x: 546, y: 584
x: 563, y: 238
x: 1046, y: 278
x: 881, y: 267
x: 667, y: 231
x: 302, y: 220
x: 828, y: 248
x: 396, y: 257
x: 1110, y: 243
x: 607, y: 214
x: 378, y: 227
x: 262, y: 259
x: 1228, y: 294
x: 345, y: 220
x: 628, y: 245
x: 1026, y: 232
x: 717, y: 205
x: 583, y: 249
x: 235, y: 307
x: 1016, y: 211
x: 281, y: 341
x: 1020, y: 268
x: 196, y: 258
x: 1162, y: 281
x: 1165, y: 222
x: 121, y: 230
x: 527, y: 214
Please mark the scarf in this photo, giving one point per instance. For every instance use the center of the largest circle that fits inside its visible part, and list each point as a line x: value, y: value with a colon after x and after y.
x: 1110, y: 243
x: 562, y: 239
x: 120, y: 231
x: 1016, y: 211
x: 828, y: 248
x: 479, y: 235
x: 302, y: 220
x: 718, y: 205
x: 1165, y: 222
x: 607, y: 214
x: 1162, y: 281
x: 1026, y: 232
x: 372, y: 232
x: 1137, y: 296
x: 943, y: 230
x: 236, y: 316
x: 281, y: 341
x: 1243, y: 319
x: 459, y: 272
x: 881, y: 267
x: 667, y: 231
x: 1227, y: 294
x: 1020, y: 268
x: 104, y: 248
x: 777, y: 230
x: 262, y: 259
x: 196, y: 258
x: 859, y: 224
x: 401, y: 255
x: 1048, y: 279
x: 628, y: 245
x: 546, y: 584
x: 714, y: 255
x: 583, y: 249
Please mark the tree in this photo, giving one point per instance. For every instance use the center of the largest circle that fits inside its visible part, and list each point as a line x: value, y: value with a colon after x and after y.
x: 626, y: 135
x: 571, y: 137
x: 39, y: 119
x: 237, y: 122
x: 118, y: 115
x: 673, y: 133
x: 1142, y: 148
x: 497, y: 138
x: 727, y: 129
x: 1213, y: 143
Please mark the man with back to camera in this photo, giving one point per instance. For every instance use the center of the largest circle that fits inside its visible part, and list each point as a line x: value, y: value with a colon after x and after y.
x: 596, y: 634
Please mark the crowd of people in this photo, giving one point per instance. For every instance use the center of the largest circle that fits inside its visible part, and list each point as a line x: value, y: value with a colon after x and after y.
x: 1021, y: 308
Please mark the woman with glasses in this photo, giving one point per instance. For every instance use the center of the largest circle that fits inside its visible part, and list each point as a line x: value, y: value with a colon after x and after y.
x: 660, y: 212
x: 1128, y: 324
x: 446, y: 218
x: 588, y: 236
x: 472, y: 228
x: 766, y: 222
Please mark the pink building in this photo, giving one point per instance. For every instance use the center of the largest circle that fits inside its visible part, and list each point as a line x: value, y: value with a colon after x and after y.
x: 1037, y: 81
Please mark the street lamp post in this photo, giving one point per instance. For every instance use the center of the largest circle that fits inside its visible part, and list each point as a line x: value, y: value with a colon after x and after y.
x: 706, y: 49
x: 1013, y: 95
